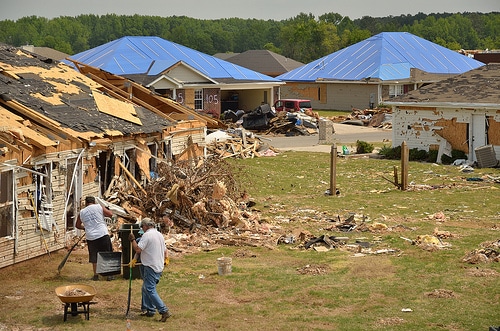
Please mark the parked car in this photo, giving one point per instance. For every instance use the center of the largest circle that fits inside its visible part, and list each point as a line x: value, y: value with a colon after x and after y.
x: 292, y: 105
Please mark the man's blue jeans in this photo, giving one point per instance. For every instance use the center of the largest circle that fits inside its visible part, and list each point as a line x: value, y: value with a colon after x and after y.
x: 150, y: 298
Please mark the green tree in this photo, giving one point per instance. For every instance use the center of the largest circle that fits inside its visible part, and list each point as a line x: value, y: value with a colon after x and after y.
x: 302, y: 37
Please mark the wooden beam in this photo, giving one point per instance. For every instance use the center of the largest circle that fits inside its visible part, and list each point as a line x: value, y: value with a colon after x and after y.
x: 131, y: 177
x: 39, y: 118
x: 405, y: 156
x: 9, y: 145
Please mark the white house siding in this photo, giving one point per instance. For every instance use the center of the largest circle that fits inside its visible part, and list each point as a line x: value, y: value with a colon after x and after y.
x: 426, y: 128
x: 27, y: 240
x: 182, y: 140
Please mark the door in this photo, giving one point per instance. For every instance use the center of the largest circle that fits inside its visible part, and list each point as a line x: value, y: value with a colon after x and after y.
x: 477, y: 134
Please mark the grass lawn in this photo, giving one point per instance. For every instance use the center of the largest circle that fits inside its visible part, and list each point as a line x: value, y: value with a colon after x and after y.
x: 391, y: 284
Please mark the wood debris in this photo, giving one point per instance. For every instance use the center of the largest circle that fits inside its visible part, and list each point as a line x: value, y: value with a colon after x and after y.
x: 487, y: 252
x: 237, y: 144
x: 201, y: 201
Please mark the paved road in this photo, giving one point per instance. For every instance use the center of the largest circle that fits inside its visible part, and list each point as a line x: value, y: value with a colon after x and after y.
x: 344, y: 135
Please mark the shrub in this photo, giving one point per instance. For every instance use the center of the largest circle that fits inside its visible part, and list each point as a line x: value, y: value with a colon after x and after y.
x: 363, y: 147
x: 433, y: 155
x: 390, y: 153
x: 455, y: 155
x: 416, y: 154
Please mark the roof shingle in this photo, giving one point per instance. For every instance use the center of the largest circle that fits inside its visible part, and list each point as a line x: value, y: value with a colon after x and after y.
x: 481, y: 85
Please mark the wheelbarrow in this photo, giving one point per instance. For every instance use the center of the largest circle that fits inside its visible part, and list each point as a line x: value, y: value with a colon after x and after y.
x: 76, y: 296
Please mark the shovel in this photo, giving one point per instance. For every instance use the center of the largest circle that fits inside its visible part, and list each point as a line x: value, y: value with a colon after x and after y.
x: 63, y: 262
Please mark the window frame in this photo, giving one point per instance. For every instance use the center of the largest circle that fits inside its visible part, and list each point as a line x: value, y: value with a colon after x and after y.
x: 198, y: 99
x: 7, y: 201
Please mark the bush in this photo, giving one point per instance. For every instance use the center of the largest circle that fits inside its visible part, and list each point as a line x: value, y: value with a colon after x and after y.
x: 455, y: 155
x: 416, y: 154
x: 363, y: 147
x: 433, y: 155
x: 421, y: 155
x: 390, y: 153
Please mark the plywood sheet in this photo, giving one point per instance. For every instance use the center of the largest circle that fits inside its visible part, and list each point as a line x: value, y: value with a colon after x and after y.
x: 117, y: 108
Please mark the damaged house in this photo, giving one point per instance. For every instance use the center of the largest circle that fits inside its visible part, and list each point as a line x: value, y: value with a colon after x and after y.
x: 195, y: 80
x: 460, y: 113
x: 373, y: 71
x: 64, y: 136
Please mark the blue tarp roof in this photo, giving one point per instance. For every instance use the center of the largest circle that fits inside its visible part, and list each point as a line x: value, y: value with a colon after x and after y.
x: 152, y: 55
x: 386, y: 56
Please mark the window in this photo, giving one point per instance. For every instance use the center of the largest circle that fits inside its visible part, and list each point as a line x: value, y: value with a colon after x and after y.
x: 305, y: 104
x: 198, y: 99
x: 6, y: 203
x: 395, y: 90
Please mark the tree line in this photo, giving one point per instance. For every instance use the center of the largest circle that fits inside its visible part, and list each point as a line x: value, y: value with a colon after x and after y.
x: 304, y: 37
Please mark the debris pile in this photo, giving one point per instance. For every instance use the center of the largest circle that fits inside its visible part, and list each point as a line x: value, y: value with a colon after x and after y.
x: 187, y: 195
x: 199, y: 204
x: 292, y: 124
x: 266, y: 119
x: 487, y: 252
x: 377, y: 118
x: 237, y: 143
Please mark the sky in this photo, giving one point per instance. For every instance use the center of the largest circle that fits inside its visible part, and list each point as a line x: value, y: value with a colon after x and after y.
x: 258, y: 9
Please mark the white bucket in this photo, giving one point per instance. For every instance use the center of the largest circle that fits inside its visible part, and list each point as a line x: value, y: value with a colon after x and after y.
x: 224, y: 265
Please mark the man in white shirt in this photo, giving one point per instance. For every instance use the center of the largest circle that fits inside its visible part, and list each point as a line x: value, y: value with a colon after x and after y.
x: 91, y: 219
x: 153, y: 254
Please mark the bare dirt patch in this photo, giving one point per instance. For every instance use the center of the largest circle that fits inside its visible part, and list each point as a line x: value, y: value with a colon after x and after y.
x: 389, y: 321
x: 441, y: 293
x: 313, y: 269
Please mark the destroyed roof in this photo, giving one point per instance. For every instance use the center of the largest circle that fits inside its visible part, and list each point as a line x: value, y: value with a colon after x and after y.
x: 264, y: 61
x: 58, y: 92
x: 385, y: 56
x: 153, y: 55
x: 478, y: 86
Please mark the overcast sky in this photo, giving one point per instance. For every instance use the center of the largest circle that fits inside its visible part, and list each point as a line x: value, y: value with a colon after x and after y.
x: 259, y: 9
